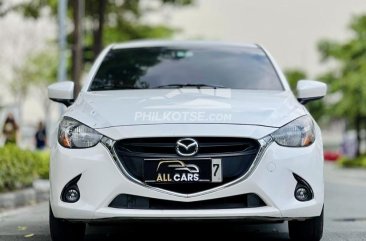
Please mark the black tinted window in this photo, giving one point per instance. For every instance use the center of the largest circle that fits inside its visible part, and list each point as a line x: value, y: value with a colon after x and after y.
x: 153, y: 67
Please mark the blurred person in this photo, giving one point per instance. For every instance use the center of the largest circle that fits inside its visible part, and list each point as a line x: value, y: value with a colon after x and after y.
x: 10, y: 130
x: 349, y: 145
x: 40, y: 136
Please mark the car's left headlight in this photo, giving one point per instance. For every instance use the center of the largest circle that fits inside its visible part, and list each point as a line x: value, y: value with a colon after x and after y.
x: 298, y: 133
x: 73, y: 134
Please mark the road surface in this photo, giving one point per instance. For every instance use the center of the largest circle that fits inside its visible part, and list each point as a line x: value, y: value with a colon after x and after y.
x: 345, y: 217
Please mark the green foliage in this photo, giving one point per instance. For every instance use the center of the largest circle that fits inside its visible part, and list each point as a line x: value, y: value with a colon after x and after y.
x: 129, y: 31
x: 42, y: 164
x: 18, y: 168
x: 349, y: 76
x: 104, y: 22
x: 316, y: 108
x: 122, y: 20
x: 6, y: 7
x: 32, y: 8
x: 126, y: 22
x: 294, y: 75
x: 357, y: 162
x: 39, y: 70
x: 2, y: 10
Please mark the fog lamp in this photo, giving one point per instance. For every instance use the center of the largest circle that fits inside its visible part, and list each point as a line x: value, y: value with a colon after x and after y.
x: 72, y: 195
x: 302, y: 194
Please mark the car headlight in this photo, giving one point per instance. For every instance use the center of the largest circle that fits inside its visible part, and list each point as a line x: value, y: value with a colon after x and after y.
x: 73, y: 134
x: 298, y: 133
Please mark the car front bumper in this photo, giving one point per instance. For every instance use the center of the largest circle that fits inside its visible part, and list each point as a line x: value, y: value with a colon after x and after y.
x: 272, y: 180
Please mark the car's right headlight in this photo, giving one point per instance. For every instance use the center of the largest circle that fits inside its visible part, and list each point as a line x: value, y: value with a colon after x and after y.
x: 73, y: 134
x: 298, y: 133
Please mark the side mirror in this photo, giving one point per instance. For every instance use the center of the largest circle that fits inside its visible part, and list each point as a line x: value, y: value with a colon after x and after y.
x: 309, y: 90
x: 62, y: 92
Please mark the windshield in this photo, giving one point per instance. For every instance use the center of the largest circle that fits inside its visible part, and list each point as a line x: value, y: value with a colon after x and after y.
x: 178, y: 67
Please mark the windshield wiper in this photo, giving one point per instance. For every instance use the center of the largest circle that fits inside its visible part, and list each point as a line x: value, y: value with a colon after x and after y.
x: 190, y: 85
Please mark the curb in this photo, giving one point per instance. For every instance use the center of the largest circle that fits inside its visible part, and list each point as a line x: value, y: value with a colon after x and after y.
x: 39, y: 192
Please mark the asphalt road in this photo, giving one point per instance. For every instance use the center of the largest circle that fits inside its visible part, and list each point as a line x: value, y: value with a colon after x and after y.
x: 345, y: 215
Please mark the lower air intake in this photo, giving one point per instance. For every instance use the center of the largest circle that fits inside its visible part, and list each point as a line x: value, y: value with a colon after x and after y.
x: 125, y: 201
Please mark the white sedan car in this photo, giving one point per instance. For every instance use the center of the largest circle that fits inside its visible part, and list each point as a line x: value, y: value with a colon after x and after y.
x: 186, y: 130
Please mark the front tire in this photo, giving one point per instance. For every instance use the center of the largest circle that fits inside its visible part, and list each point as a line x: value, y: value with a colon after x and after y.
x: 308, y: 230
x: 62, y: 230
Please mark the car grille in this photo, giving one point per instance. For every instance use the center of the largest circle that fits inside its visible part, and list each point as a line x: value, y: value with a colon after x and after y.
x: 125, y: 201
x: 236, y: 154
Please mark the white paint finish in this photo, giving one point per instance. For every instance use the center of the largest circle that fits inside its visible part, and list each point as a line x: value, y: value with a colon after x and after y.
x: 61, y: 91
x: 157, y: 43
x: 101, y: 109
x: 307, y: 89
x: 254, y: 114
x: 172, y: 106
x: 179, y: 130
x: 275, y: 188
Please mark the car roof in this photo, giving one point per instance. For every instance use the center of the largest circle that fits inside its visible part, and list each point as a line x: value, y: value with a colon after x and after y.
x: 190, y: 43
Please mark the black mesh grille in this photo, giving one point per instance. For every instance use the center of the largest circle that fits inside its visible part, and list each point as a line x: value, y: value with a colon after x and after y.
x: 236, y: 154
x: 136, y: 202
x: 207, y: 145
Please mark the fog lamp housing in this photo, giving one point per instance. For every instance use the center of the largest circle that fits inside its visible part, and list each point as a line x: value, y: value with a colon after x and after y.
x: 71, y: 192
x: 303, y: 191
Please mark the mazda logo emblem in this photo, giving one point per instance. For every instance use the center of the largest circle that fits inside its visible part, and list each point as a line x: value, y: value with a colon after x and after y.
x: 187, y: 147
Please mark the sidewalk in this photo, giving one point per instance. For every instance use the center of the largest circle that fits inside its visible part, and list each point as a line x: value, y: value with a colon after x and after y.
x: 39, y: 192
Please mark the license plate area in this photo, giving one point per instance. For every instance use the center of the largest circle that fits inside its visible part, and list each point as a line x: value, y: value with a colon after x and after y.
x: 180, y: 171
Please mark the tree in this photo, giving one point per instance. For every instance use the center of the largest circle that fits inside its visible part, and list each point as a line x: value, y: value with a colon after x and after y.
x: 123, y: 21
x: 38, y: 71
x: 316, y: 108
x: 348, y: 78
x: 5, y: 7
x: 106, y: 21
x: 293, y: 76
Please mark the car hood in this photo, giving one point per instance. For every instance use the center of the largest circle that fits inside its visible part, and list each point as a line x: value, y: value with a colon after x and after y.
x: 102, y: 109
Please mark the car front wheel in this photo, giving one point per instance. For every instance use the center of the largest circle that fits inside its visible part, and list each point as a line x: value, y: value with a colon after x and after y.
x: 62, y: 230
x: 307, y: 230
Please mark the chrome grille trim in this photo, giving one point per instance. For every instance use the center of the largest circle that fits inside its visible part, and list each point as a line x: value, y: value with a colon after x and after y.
x: 264, y: 143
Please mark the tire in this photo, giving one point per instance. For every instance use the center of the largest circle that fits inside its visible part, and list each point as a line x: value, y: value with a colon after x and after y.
x: 62, y: 230
x: 308, y: 230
